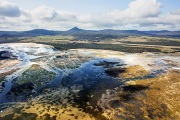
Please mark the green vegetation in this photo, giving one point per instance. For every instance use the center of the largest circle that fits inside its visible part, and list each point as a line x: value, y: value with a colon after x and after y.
x: 38, y: 76
x: 2, y: 78
x: 69, y: 66
x: 10, y: 40
x: 114, y: 47
x: 131, y: 44
x: 58, y: 37
x: 74, y: 61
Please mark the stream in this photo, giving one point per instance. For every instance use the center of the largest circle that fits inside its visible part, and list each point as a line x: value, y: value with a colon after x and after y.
x: 76, y: 78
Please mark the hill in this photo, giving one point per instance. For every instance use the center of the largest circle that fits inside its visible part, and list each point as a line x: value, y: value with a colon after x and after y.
x: 88, y: 34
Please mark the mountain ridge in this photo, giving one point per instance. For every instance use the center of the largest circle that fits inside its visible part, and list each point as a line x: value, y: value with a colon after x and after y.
x: 77, y: 32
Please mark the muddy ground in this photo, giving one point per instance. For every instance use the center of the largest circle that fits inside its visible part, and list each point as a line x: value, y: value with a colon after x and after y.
x: 132, y: 82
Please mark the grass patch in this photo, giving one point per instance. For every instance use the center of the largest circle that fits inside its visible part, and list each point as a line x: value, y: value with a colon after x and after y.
x: 37, y: 76
x: 58, y: 37
x: 114, y: 47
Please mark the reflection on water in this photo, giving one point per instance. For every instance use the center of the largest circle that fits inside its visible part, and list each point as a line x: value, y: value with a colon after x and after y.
x: 70, y: 84
x: 89, y: 82
x: 93, y: 81
x: 89, y: 75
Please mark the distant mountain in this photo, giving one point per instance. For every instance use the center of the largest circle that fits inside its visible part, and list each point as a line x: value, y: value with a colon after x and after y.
x: 35, y: 32
x: 41, y: 32
x: 90, y: 34
x: 75, y: 29
x: 122, y: 32
x: 6, y: 35
x: 164, y: 33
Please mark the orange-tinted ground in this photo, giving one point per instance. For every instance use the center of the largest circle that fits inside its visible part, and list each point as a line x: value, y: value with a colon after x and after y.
x: 151, y: 99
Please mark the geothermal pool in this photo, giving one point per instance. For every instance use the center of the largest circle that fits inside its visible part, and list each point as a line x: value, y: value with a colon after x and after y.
x: 38, y: 81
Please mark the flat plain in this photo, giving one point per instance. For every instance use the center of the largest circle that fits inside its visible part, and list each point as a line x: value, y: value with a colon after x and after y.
x: 65, y: 78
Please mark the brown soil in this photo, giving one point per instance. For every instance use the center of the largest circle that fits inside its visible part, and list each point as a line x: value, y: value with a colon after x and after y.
x: 3, y: 75
x: 127, y: 72
x: 133, y: 71
x: 35, y: 66
x: 150, y: 99
x: 8, y: 63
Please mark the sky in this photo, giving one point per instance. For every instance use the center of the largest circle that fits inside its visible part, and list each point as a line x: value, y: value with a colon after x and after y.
x: 20, y: 15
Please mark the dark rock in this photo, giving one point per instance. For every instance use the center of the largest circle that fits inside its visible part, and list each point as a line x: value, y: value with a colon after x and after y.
x: 133, y: 88
x: 22, y: 89
x: 5, y: 55
x: 3, y: 84
x: 115, y: 103
x: 27, y: 116
x: 114, y: 72
x: 23, y: 116
x: 107, y: 64
x: 47, y: 116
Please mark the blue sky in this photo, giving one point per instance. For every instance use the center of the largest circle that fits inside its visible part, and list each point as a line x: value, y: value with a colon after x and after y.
x: 90, y: 14
x: 82, y: 6
x: 90, y: 6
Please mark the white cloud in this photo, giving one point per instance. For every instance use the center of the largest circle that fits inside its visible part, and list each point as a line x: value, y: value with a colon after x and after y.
x: 44, y: 13
x: 143, y: 8
x: 8, y: 9
x: 140, y: 14
x: 176, y: 12
x: 138, y: 9
x: 49, y: 18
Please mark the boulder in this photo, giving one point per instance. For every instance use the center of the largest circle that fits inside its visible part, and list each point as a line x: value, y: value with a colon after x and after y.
x: 5, y: 55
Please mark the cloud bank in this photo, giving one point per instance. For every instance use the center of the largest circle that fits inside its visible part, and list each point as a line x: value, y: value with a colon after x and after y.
x: 140, y: 15
x: 8, y: 9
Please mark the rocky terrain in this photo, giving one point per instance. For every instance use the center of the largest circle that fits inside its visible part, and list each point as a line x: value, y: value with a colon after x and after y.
x: 38, y: 82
